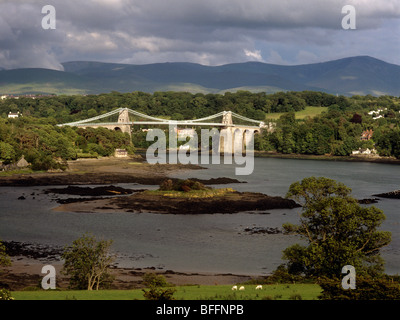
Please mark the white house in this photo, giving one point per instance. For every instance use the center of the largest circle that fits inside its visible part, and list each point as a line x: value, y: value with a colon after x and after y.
x: 121, y: 153
x: 13, y: 114
x: 364, y: 152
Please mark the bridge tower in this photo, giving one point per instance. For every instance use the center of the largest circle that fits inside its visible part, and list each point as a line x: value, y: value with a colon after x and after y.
x: 233, y: 139
x: 123, y: 116
x: 227, y: 118
x: 124, y: 123
x: 226, y: 140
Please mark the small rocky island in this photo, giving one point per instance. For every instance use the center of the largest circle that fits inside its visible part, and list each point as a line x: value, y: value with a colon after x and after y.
x: 183, y: 197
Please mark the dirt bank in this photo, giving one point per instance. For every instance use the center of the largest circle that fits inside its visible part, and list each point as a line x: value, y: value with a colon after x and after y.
x: 106, y: 171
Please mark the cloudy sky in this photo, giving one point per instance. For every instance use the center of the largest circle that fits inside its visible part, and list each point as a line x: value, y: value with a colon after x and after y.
x: 210, y: 32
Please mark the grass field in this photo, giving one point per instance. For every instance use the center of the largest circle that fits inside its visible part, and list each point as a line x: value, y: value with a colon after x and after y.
x: 193, y: 292
x: 43, y: 88
x: 307, y: 112
x: 211, y: 193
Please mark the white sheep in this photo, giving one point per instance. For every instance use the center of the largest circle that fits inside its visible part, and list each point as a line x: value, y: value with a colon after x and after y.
x: 241, y: 288
x: 234, y: 288
x: 259, y: 287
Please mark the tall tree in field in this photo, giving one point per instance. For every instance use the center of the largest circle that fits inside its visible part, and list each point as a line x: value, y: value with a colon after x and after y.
x: 336, y: 229
x: 87, y: 262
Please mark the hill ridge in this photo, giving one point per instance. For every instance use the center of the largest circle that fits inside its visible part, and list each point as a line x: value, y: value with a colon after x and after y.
x: 347, y: 76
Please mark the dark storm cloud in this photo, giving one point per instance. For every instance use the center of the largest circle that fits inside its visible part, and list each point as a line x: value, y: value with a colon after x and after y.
x: 206, y: 31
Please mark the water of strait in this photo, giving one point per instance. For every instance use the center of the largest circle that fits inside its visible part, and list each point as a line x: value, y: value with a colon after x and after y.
x: 216, y: 243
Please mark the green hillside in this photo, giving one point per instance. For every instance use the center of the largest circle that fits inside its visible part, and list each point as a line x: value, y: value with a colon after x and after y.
x: 44, y: 81
x: 349, y: 76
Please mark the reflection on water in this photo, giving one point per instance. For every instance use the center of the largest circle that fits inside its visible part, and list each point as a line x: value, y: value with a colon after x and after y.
x: 207, y: 243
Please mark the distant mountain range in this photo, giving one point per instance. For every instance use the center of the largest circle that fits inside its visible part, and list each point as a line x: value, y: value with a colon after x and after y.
x: 356, y: 75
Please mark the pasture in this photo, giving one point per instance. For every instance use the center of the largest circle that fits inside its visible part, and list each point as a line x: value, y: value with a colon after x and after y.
x: 189, y: 292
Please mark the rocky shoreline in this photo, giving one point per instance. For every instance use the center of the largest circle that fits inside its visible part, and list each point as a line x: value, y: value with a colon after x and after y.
x: 32, y: 250
x: 390, y: 195
x: 143, y: 201
x: 59, y: 179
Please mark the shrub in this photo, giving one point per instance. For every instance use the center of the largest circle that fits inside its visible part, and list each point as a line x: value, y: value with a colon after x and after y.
x: 367, y: 288
x: 5, y: 295
x: 181, y: 185
x: 156, y: 293
x: 156, y: 283
x: 282, y: 275
x: 295, y: 296
x: 157, y: 280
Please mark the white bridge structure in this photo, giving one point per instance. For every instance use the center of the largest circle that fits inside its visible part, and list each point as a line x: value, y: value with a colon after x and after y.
x: 227, y: 127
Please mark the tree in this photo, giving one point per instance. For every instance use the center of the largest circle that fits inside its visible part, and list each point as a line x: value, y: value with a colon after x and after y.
x: 4, y: 262
x: 156, y: 284
x: 337, y: 229
x: 7, y: 152
x: 368, y: 288
x: 87, y: 262
x: 4, y: 258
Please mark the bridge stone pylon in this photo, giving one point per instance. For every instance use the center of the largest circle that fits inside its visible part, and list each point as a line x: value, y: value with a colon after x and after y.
x: 123, y: 116
x: 124, y: 124
x: 232, y: 138
x: 227, y: 118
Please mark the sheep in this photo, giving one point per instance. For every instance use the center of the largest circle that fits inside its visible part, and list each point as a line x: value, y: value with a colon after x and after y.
x: 234, y: 288
x: 241, y: 288
x: 259, y: 287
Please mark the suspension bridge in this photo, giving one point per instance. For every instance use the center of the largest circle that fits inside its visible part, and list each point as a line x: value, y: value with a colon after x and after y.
x: 227, y: 126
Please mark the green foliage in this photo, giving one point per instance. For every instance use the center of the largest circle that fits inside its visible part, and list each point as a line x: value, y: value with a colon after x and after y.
x: 7, y: 153
x: 295, y: 296
x: 4, y: 262
x: 156, y: 280
x: 336, y: 132
x: 337, y: 229
x: 283, y: 275
x: 181, y: 185
x: 156, y: 293
x: 87, y: 262
x: 177, y: 105
x: 48, y: 147
x: 389, y: 143
x: 367, y: 288
x: 5, y: 295
x: 156, y: 284
x: 4, y: 258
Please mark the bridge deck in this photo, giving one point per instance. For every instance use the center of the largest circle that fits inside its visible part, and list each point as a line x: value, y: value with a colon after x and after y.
x: 162, y: 123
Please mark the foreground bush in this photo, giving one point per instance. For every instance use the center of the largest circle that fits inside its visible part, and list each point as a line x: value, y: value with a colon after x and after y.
x: 5, y: 295
x: 367, y: 288
x: 157, y: 291
x: 181, y: 185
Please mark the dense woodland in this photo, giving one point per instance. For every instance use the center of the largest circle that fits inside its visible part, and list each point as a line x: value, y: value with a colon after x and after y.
x: 336, y: 131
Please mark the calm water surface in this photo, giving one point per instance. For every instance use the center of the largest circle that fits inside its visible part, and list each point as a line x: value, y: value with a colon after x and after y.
x: 202, y: 243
